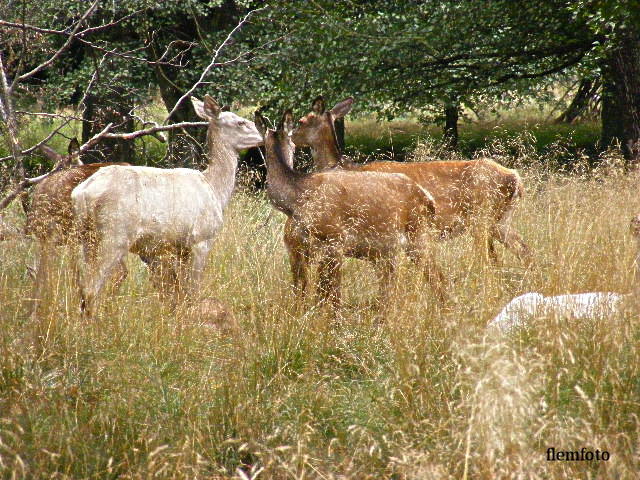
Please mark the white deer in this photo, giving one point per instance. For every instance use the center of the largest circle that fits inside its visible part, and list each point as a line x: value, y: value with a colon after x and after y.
x: 578, y: 306
x: 167, y: 216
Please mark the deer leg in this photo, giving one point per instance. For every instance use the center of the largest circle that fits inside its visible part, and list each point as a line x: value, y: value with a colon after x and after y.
x: 120, y: 275
x: 43, y: 278
x: 162, y: 275
x: 510, y: 238
x: 191, y: 270
x: 329, y: 279
x: 387, y: 270
x: 482, y: 242
x: 42, y: 292
x: 299, y: 270
x: 102, y: 261
x: 491, y: 248
x: 199, y: 257
x: 298, y: 248
x: 423, y: 258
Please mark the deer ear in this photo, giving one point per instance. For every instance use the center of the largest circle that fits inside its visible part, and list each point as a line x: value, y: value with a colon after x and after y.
x: 318, y: 105
x: 74, y: 146
x: 225, y: 108
x: 198, y: 106
x: 261, y: 123
x: 342, y: 108
x: 286, y: 124
x: 211, y: 107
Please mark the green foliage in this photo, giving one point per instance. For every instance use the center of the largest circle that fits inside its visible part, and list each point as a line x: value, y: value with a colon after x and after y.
x: 415, y: 56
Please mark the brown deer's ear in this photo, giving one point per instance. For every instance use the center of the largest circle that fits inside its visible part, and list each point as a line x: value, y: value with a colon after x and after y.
x: 74, y: 146
x: 286, y: 124
x: 342, y: 108
x: 225, y: 108
x: 318, y: 105
x: 211, y: 107
x: 260, y: 121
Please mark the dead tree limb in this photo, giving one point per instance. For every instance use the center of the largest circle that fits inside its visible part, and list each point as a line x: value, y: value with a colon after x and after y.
x: 59, y: 52
x: 104, y: 133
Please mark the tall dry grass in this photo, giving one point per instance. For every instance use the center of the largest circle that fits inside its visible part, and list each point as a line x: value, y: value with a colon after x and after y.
x: 146, y: 393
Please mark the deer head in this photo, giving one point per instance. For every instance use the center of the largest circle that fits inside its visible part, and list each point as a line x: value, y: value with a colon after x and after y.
x: 63, y: 161
x: 234, y: 130
x: 317, y: 126
x: 280, y: 138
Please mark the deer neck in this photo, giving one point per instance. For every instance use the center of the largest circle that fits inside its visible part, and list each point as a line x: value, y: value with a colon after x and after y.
x: 325, y: 152
x: 223, y: 163
x: 283, y: 182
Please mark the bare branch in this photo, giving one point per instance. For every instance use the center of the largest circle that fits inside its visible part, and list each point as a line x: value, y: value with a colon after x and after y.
x: 213, y: 62
x: 81, y: 33
x: 112, y: 24
x: 25, y: 26
x: 28, y: 182
x: 14, y: 193
x: 153, y: 130
x: 127, y: 55
x: 9, y: 119
x: 41, y: 142
x: 48, y: 115
x: 158, y: 135
x: 95, y: 139
x: 66, y: 44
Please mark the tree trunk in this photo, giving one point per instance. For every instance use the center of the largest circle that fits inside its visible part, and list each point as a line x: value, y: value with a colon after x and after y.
x: 621, y: 95
x: 451, y: 115
x: 583, y: 99
x: 187, y: 149
x: 184, y: 149
x: 96, y: 116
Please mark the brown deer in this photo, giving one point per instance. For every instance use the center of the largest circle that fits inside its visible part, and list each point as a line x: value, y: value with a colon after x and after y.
x: 480, y: 195
x: 337, y: 214
x: 50, y: 213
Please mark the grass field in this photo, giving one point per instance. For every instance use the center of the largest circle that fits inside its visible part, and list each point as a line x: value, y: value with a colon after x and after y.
x: 146, y: 393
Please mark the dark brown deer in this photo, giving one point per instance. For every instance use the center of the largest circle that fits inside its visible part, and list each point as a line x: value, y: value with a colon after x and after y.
x: 50, y: 213
x: 479, y: 195
x: 337, y: 214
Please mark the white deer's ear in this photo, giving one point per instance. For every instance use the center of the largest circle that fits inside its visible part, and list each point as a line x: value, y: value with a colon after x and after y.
x: 211, y: 107
x: 198, y: 106
x: 342, y: 108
